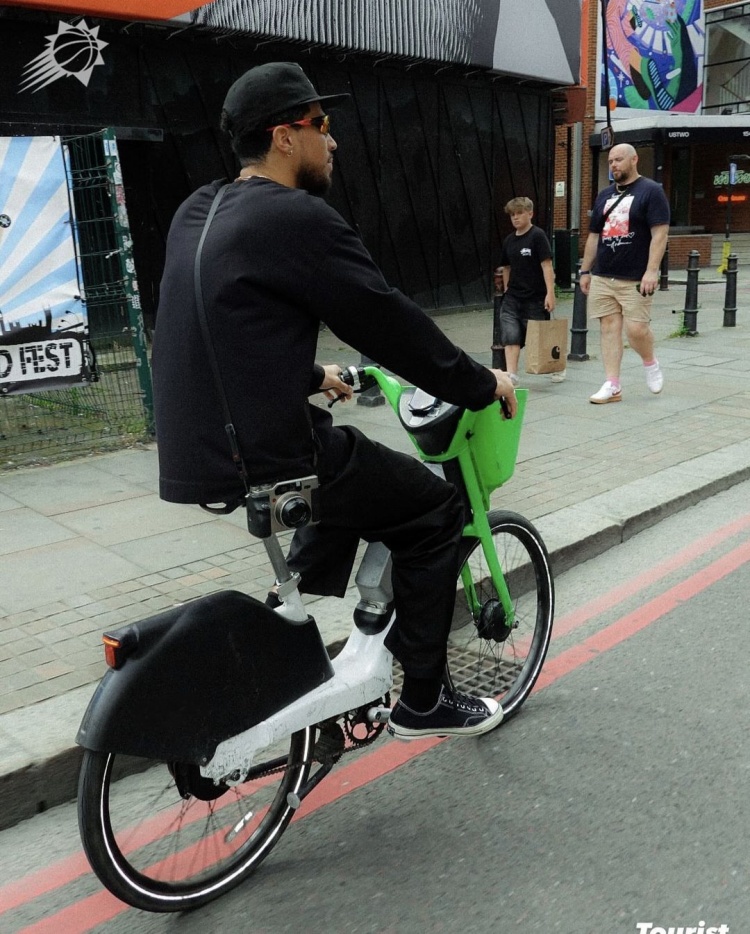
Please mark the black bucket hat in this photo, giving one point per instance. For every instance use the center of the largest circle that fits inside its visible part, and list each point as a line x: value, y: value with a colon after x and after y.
x: 271, y: 89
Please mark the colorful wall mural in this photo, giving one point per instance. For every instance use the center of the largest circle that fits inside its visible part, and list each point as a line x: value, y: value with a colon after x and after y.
x: 654, y: 56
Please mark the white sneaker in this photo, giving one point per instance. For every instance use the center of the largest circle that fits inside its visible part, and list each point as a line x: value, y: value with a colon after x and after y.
x: 513, y: 377
x: 559, y: 377
x: 654, y: 377
x: 608, y: 393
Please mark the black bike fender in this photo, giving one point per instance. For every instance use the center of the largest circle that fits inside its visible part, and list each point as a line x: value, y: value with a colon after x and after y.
x: 199, y: 674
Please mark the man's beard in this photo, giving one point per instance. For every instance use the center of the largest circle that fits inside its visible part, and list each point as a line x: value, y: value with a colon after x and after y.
x: 315, y: 182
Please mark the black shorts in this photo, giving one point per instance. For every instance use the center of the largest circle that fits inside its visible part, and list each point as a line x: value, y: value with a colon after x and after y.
x: 515, y: 313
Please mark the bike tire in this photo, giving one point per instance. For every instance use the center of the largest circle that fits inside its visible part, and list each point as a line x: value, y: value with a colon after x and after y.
x: 159, y: 851
x: 486, y: 657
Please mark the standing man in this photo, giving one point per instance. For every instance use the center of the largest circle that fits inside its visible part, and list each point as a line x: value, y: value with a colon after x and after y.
x: 276, y: 261
x: 620, y: 269
x: 528, y: 280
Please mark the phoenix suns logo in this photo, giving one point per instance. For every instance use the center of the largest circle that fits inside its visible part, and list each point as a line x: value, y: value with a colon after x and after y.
x: 72, y: 52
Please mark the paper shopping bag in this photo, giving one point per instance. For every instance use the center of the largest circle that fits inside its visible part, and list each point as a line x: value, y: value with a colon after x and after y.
x: 547, y: 346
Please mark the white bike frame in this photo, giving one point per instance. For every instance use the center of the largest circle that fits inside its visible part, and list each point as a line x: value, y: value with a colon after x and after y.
x: 363, y: 673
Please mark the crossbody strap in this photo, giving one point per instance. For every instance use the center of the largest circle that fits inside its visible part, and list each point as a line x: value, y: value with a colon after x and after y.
x: 613, y: 206
x: 208, y: 340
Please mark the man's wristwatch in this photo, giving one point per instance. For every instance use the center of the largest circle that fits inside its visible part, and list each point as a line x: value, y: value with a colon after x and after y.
x: 585, y: 272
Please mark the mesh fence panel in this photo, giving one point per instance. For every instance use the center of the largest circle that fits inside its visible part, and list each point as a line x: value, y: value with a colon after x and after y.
x: 44, y: 426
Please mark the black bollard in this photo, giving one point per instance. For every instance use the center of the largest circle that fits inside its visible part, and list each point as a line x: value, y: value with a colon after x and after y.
x: 664, y: 271
x: 730, y: 295
x: 373, y: 396
x: 690, y: 320
x: 498, y: 350
x: 578, y: 328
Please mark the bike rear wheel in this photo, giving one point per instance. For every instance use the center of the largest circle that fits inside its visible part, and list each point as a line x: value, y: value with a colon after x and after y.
x: 163, y: 838
x: 487, y: 655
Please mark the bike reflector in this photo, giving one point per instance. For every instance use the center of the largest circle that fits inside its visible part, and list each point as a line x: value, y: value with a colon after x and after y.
x: 112, y: 648
x: 118, y: 648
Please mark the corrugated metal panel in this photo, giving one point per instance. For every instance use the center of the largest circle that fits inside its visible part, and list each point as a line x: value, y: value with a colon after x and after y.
x: 426, y: 157
x: 441, y: 30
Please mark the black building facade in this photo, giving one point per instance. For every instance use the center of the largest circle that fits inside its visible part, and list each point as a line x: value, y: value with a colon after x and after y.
x: 428, y: 151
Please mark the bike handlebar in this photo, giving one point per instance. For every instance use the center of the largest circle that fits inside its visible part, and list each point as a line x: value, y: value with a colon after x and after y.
x: 359, y: 377
x: 363, y: 378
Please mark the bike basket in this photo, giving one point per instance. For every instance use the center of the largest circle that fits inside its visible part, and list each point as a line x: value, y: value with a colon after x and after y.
x: 494, y: 443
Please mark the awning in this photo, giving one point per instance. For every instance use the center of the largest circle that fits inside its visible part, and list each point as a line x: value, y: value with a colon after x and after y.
x: 678, y: 129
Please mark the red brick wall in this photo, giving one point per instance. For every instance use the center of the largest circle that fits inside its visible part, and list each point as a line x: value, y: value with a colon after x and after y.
x: 590, y: 14
x: 681, y: 245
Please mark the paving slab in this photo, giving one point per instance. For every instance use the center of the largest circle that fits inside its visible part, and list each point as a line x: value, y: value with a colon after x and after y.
x: 24, y: 528
x: 181, y: 545
x: 138, y: 465
x: 66, y: 487
x: 131, y: 519
x: 37, y: 576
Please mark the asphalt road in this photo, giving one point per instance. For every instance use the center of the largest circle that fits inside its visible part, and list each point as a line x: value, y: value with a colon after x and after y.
x: 615, y: 803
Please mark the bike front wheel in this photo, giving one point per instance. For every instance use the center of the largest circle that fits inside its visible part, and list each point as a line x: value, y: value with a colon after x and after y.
x: 489, y: 654
x: 161, y: 837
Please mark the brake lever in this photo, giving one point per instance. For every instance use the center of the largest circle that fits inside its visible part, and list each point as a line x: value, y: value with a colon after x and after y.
x: 335, y: 400
x: 504, y: 405
x: 355, y: 377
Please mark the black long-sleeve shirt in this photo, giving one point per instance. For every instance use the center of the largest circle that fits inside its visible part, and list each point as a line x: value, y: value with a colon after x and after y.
x: 277, y: 261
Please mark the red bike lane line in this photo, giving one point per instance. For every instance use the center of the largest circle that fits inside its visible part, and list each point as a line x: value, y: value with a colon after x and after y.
x: 572, y: 620
x: 73, y: 867
x: 632, y: 623
x: 396, y: 754
x: 86, y: 914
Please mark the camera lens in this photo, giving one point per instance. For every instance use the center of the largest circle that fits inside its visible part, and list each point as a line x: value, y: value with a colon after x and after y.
x: 293, y: 511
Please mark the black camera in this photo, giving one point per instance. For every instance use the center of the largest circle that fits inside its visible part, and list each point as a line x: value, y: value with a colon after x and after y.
x: 277, y: 507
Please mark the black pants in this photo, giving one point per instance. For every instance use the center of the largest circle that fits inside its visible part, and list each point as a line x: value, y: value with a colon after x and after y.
x: 377, y: 494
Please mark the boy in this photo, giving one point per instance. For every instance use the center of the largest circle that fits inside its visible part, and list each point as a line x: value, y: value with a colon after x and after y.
x: 529, y: 281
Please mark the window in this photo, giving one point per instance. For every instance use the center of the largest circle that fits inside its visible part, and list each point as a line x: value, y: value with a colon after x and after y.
x: 727, y: 71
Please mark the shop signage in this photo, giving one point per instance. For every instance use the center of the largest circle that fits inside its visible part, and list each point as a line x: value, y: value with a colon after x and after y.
x: 722, y: 179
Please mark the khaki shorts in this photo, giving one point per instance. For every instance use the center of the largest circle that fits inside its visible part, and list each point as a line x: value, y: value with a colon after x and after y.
x: 618, y: 296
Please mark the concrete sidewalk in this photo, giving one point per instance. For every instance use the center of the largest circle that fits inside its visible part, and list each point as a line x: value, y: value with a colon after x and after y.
x: 87, y: 545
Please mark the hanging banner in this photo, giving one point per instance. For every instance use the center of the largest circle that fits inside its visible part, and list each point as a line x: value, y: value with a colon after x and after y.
x: 43, y: 322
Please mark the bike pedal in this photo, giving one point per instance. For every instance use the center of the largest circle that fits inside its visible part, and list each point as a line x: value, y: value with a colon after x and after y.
x: 379, y: 714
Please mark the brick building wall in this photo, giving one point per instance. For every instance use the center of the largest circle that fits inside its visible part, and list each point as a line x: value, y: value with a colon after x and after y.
x: 681, y: 246
x: 591, y: 14
x: 590, y: 11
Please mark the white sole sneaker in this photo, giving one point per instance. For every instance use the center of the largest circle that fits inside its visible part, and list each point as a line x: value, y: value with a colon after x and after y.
x: 444, y: 720
x: 606, y: 394
x: 655, y: 378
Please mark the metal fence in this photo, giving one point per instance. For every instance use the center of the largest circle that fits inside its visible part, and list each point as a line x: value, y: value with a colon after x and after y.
x: 115, y: 409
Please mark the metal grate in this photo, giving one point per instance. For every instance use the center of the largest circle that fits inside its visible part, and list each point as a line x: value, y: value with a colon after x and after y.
x: 484, y: 677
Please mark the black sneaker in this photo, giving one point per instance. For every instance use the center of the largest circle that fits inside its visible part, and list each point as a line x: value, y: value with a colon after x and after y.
x: 454, y: 715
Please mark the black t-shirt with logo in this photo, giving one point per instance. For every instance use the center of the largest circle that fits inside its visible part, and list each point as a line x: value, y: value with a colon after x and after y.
x: 525, y: 255
x: 625, y: 236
